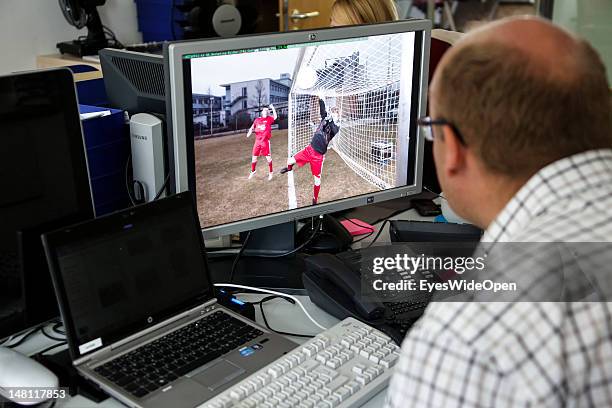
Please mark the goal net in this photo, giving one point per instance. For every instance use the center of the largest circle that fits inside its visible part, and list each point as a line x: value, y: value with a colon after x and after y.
x: 366, y: 80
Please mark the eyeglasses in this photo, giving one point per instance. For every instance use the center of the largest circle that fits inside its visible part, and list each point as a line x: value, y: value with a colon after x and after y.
x: 427, y: 123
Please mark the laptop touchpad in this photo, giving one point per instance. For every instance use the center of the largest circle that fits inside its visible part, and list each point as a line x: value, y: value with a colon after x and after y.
x: 218, y: 374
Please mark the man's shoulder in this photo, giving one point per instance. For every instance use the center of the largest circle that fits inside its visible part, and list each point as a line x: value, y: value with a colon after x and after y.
x: 488, y: 325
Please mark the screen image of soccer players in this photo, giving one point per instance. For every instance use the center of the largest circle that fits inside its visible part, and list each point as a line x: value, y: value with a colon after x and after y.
x: 314, y: 153
x: 262, y: 126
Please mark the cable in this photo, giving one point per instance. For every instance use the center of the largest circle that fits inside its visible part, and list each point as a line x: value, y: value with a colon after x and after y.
x: 127, y: 184
x: 113, y: 36
x: 51, y: 348
x: 129, y: 190
x: 315, y: 231
x: 263, y: 315
x: 438, y: 195
x: 272, y: 292
x: 382, y: 227
x: 163, y: 187
x: 47, y: 335
x: 56, y: 329
x: 24, y: 338
x: 372, y: 229
x: 235, y: 263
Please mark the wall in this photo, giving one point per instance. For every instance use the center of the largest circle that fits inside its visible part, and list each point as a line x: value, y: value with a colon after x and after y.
x: 591, y: 20
x: 32, y: 27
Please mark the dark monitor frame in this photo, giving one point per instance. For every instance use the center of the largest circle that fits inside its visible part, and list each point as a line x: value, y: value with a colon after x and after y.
x: 37, y: 297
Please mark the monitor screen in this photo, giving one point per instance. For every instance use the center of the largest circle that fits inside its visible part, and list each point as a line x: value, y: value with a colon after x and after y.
x: 44, y: 184
x: 282, y: 128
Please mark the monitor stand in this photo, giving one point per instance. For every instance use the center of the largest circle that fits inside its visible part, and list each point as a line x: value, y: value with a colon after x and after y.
x: 283, y: 273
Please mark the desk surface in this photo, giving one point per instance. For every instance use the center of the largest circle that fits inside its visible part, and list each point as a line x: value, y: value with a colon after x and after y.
x: 281, y: 315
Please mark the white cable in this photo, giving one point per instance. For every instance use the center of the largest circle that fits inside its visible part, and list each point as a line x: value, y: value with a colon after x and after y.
x: 6, y: 341
x: 231, y: 285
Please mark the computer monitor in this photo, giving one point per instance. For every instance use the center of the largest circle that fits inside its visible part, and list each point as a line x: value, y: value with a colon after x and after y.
x: 372, y: 80
x: 134, y: 81
x: 45, y: 185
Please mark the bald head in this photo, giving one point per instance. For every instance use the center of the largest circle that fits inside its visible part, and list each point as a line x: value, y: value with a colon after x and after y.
x: 546, y: 48
x: 514, y: 85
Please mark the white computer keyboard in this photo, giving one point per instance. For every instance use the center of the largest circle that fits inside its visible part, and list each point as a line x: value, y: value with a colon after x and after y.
x: 344, y: 366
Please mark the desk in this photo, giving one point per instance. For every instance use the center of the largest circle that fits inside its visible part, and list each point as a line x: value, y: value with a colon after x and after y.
x: 64, y: 60
x: 281, y: 315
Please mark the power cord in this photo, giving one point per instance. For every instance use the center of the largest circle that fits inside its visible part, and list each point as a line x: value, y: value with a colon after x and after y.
x: 293, y: 251
x: 56, y: 328
x: 235, y: 263
x: 361, y: 226
x: 53, y: 347
x: 24, y: 337
x: 263, y: 315
x: 438, y: 195
x: 380, y: 230
x: 272, y: 292
x: 111, y: 33
x: 133, y: 200
x: 312, y: 236
x: 47, y: 335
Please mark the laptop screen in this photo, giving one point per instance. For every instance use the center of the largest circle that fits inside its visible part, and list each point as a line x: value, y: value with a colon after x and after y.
x: 123, y: 273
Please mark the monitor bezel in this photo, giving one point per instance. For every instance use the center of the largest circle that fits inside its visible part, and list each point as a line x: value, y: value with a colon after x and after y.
x: 176, y: 51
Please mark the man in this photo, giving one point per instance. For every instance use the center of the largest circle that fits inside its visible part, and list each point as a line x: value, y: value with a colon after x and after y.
x: 314, y: 153
x: 263, y: 132
x: 522, y: 136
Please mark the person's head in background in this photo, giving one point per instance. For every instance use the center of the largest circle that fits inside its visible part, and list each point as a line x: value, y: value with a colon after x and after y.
x: 517, y: 95
x: 354, y: 12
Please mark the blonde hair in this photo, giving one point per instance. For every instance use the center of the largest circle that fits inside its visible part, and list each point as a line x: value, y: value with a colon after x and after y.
x: 353, y: 12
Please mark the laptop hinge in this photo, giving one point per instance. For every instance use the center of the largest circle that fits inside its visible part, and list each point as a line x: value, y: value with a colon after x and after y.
x: 187, y: 315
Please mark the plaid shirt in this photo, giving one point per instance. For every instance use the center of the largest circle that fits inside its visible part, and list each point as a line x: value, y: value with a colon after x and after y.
x: 522, y: 354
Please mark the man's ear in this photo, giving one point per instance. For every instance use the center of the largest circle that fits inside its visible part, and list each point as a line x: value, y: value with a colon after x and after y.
x: 454, y: 153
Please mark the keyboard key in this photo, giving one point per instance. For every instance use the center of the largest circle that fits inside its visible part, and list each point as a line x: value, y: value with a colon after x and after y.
x: 309, y: 350
x: 333, y: 400
x: 324, y: 372
x: 237, y: 394
x: 343, y: 394
x: 275, y: 371
x: 299, y: 357
x: 389, y: 361
x: 353, y: 386
x: 309, y: 365
x: 140, y: 392
x: 371, y: 373
x: 336, y: 383
x: 362, y: 379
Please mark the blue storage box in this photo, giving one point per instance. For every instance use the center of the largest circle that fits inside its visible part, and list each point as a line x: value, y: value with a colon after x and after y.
x: 107, y: 144
x: 156, y: 19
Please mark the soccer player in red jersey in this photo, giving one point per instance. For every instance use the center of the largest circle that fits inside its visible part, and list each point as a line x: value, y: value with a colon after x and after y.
x: 262, y: 127
x: 314, y: 153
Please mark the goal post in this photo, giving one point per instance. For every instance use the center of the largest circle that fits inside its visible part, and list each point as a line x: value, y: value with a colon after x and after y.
x: 369, y: 81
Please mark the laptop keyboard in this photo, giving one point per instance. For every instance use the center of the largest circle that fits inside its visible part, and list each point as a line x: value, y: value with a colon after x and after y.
x: 162, y: 361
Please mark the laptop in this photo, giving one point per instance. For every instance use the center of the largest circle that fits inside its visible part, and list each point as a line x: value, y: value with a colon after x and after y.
x: 141, y: 317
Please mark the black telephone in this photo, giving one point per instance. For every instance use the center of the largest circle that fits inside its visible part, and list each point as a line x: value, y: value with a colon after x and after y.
x: 334, y: 284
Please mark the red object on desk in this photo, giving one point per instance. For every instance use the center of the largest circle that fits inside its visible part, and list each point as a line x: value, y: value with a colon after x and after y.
x: 357, y: 227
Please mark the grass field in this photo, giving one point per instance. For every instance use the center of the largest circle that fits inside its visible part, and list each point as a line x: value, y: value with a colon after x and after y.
x: 225, y: 194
